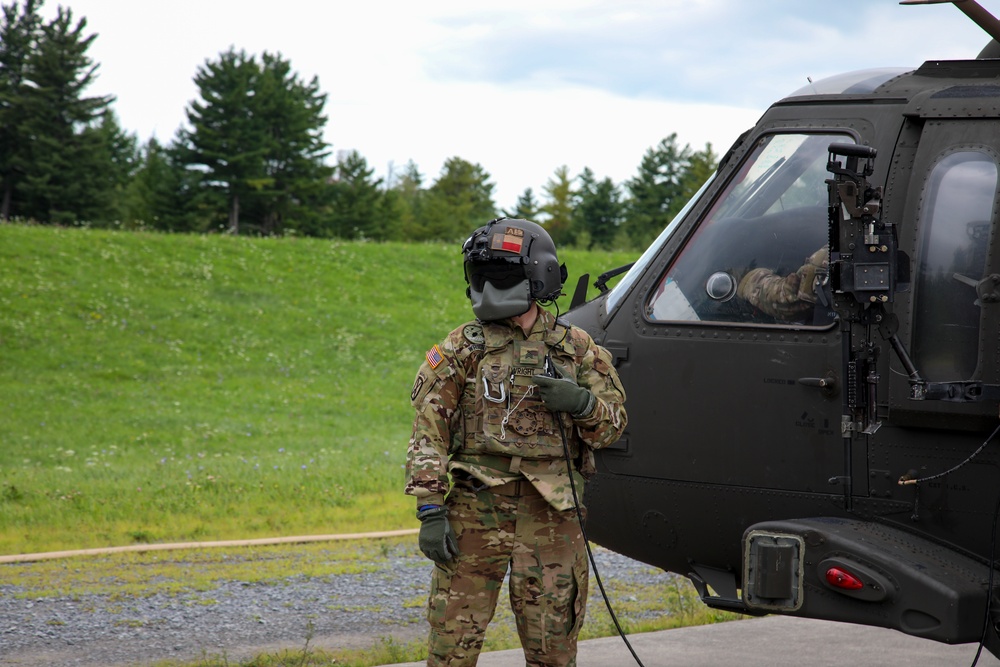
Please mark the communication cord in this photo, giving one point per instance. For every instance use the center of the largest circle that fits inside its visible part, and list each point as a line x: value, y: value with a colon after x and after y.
x: 908, y: 479
x: 989, y: 586
x: 583, y: 531
x: 586, y: 542
x: 576, y: 504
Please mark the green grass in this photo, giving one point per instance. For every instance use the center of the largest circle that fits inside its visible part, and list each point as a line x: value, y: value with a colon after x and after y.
x: 160, y: 387
x: 157, y: 388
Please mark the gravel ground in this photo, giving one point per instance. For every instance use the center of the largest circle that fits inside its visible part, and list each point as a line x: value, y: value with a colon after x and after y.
x: 238, y: 619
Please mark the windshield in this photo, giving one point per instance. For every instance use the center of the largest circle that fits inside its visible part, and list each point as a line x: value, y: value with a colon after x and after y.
x: 760, y: 252
x: 639, y: 268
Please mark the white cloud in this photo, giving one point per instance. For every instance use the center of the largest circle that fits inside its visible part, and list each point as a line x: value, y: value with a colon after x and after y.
x: 521, y: 136
x: 520, y: 87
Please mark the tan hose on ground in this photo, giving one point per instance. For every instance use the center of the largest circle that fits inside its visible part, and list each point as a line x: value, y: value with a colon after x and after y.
x: 264, y: 541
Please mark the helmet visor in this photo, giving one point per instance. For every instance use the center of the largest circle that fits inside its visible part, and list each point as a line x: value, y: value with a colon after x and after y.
x: 502, y: 275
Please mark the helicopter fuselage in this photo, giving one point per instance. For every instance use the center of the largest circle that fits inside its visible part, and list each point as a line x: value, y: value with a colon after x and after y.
x: 806, y: 354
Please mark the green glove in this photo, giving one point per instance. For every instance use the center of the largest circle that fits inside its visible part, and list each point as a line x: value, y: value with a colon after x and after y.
x: 563, y: 394
x: 437, y: 539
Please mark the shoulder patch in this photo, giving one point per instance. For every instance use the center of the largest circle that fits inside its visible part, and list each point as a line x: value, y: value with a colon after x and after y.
x: 434, y: 357
x: 418, y: 386
x: 474, y: 334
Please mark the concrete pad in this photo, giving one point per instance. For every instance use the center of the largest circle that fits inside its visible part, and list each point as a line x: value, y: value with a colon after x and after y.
x: 773, y: 641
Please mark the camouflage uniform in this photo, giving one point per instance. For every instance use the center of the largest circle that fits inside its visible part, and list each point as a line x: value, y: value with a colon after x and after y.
x: 786, y: 298
x: 479, y: 419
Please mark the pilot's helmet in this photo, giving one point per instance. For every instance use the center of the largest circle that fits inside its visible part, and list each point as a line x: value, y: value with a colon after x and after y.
x: 508, y: 264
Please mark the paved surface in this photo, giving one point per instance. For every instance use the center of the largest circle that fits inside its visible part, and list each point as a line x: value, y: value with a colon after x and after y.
x: 773, y: 641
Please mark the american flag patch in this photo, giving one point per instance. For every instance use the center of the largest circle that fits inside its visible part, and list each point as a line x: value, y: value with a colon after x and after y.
x: 434, y: 357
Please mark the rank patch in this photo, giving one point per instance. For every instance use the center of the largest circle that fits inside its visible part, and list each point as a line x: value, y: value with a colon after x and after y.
x: 529, y: 353
x: 434, y: 356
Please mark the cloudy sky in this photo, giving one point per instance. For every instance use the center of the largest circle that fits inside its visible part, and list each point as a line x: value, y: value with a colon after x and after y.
x: 522, y: 86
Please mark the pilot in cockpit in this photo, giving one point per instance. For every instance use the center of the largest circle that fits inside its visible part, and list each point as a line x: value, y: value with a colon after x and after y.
x: 786, y: 298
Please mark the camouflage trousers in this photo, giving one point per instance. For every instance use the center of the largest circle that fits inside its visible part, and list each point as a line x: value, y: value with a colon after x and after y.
x: 546, y: 555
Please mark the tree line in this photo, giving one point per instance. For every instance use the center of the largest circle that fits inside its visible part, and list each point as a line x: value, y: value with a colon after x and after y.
x: 251, y: 160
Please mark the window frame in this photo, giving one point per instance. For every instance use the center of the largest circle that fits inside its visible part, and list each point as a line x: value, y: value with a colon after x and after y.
x: 835, y: 134
x: 925, y: 317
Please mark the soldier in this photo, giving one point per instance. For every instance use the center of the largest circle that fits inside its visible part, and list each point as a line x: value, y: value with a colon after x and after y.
x: 786, y: 298
x: 509, y: 405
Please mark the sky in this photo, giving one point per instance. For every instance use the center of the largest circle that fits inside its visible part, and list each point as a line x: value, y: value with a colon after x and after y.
x: 519, y: 87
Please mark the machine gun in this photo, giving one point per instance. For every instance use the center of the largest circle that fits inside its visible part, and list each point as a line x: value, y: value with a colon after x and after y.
x: 864, y: 259
x: 864, y: 271
x: 867, y: 269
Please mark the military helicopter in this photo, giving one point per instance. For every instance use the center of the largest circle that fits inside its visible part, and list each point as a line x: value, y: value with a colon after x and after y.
x: 842, y: 463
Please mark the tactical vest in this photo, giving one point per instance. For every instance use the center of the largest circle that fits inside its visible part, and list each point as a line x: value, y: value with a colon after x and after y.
x: 501, y: 407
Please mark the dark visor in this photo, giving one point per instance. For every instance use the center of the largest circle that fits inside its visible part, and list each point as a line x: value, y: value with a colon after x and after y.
x: 502, y: 275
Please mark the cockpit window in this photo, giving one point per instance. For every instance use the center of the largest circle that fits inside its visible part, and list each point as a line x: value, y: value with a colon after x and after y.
x: 623, y: 286
x: 954, y: 239
x: 760, y: 252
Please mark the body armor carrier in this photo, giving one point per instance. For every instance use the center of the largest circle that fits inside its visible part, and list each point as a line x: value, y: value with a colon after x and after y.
x: 502, y: 411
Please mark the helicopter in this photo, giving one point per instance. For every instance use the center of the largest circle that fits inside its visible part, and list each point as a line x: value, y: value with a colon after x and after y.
x: 838, y: 459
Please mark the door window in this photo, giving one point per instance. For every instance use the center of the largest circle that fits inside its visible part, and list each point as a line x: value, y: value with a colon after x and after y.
x: 761, y: 249
x: 954, y: 224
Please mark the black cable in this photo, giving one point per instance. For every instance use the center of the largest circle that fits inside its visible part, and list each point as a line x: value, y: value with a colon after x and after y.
x: 989, y: 586
x: 904, y: 481
x: 586, y: 542
x: 579, y: 512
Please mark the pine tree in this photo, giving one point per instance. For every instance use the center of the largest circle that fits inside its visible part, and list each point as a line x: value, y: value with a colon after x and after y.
x: 295, y: 188
x: 60, y: 169
x: 559, y: 207
x: 526, y: 208
x: 700, y: 168
x: 355, y: 208
x: 657, y: 193
x: 457, y: 203
x: 163, y: 194
x: 18, y: 38
x: 225, y: 140
x: 256, y: 140
x: 116, y: 158
x: 598, y: 210
x: 389, y: 217
x: 408, y: 195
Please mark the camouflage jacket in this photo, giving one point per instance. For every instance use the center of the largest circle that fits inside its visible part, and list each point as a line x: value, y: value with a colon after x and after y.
x: 786, y: 298
x: 478, y: 415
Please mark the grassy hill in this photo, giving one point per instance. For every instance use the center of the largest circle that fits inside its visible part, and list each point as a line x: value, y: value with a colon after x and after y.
x: 167, y: 387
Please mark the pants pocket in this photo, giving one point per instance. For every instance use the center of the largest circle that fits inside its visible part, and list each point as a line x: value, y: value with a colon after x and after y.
x: 581, y: 574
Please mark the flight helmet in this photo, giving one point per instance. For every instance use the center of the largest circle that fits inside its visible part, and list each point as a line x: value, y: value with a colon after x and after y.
x: 508, y: 264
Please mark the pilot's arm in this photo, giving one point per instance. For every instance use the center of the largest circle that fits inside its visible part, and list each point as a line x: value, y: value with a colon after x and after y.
x: 787, y: 298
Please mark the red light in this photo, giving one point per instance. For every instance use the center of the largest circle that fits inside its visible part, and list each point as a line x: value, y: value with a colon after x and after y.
x: 843, y: 579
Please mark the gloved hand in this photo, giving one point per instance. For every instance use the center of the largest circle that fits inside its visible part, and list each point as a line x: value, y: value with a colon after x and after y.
x: 437, y: 539
x: 816, y: 265
x: 563, y: 394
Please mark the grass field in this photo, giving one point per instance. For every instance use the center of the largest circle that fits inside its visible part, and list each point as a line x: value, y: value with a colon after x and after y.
x: 160, y: 387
